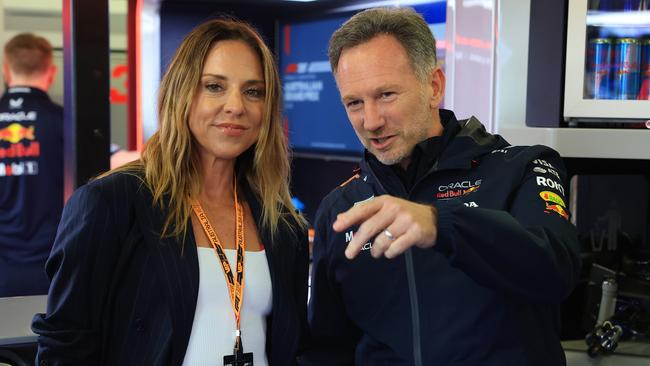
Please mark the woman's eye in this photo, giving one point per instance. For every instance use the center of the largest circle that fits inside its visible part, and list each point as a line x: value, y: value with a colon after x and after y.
x: 212, y: 87
x: 254, y: 93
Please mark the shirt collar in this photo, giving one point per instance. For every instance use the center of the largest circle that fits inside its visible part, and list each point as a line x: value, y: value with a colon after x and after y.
x: 424, y: 154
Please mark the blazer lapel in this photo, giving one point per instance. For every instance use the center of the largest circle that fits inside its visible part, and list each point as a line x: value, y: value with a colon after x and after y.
x: 179, y: 275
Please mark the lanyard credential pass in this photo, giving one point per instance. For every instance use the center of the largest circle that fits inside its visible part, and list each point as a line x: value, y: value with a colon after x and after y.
x: 235, y: 282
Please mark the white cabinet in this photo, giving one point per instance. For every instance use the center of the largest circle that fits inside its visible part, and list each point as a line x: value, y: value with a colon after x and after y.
x: 585, y: 24
x: 16, y: 314
x: 599, y: 143
x: 511, y: 65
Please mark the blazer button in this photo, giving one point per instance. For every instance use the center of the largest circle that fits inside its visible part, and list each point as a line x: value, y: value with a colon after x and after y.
x: 43, y: 363
x: 139, y: 325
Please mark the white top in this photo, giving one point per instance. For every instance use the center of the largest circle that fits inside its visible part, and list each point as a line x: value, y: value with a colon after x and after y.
x: 213, y: 330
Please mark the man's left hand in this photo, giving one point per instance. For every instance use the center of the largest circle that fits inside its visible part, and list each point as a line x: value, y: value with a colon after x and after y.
x: 394, y: 223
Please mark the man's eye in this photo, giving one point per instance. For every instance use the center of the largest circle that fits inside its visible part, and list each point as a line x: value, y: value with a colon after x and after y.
x: 387, y: 95
x: 353, y: 104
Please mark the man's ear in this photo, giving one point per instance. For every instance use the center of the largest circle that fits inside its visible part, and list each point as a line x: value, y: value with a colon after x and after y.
x: 437, y: 82
x: 6, y: 73
x: 50, y: 76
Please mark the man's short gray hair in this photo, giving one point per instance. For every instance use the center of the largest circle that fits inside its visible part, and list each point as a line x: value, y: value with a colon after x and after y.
x: 407, y: 26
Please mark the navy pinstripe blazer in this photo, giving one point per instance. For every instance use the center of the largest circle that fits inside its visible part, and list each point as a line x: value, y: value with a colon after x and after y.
x: 120, y: 295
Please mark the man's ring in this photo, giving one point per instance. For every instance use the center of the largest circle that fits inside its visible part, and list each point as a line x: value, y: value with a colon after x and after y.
x: 389, y: 234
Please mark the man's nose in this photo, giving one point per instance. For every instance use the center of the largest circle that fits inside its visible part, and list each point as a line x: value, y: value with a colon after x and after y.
x: 373, y: 118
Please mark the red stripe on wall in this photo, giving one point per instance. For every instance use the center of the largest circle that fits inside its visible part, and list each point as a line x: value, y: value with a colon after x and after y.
x: 287, y: 40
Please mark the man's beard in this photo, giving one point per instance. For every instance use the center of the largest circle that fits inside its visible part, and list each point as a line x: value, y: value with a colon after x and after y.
x: 387, y: 159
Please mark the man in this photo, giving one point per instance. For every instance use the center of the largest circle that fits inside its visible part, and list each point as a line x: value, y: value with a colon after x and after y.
x: 449, y: 246
x: 31, y: 166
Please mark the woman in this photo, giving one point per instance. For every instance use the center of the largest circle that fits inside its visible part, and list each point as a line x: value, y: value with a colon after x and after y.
x: 136, y: 268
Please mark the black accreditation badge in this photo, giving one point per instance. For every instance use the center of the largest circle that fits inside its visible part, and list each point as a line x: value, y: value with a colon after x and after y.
x: 238, y: 359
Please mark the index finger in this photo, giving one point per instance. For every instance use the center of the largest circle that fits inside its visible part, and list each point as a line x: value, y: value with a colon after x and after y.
x: 356, y: 215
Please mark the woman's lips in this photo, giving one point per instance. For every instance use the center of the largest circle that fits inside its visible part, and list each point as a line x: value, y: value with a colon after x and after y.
x: 231, y: 129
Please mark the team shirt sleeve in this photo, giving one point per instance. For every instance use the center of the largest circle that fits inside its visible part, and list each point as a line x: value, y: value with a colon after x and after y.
x: 530, y: 250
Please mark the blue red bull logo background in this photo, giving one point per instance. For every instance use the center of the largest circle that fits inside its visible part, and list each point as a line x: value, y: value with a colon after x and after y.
x: 18, y: 142
x: 16, y: 132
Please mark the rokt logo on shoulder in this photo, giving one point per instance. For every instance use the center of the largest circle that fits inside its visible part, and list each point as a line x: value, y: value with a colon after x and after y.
x: 550, y: 183
x: 458, y: 189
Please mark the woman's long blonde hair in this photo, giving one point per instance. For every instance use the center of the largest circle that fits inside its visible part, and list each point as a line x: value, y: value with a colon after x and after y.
x: 170, y: 162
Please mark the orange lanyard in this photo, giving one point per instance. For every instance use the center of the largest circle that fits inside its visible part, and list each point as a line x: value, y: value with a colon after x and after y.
x: 236, y: 284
